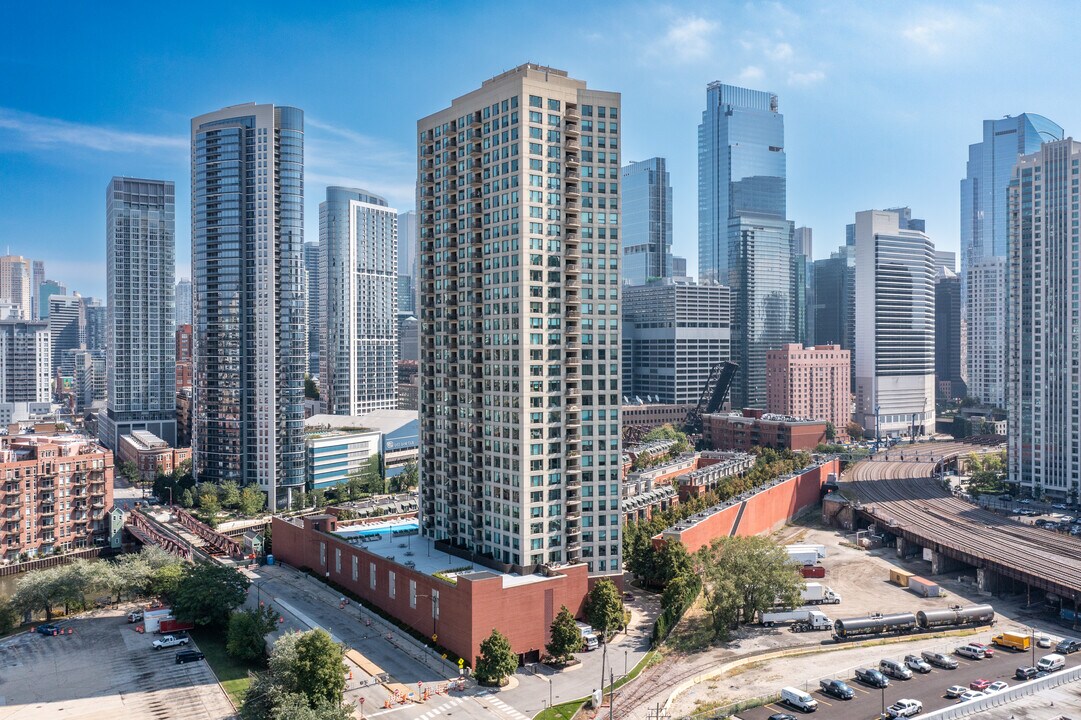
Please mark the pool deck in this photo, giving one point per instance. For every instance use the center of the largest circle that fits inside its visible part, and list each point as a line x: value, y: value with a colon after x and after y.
x: 419, y: 553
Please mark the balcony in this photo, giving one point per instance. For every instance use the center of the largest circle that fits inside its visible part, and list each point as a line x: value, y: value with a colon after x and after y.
x: 572, y: 222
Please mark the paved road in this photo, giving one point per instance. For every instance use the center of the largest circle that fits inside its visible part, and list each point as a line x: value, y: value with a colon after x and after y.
x: 310, y: 601
x: 929, y: 688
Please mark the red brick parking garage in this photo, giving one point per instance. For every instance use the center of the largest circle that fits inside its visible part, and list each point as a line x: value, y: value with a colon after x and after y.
x: 460, y: 606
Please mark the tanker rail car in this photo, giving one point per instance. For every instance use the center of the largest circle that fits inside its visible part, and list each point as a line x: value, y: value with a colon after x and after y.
x: 903, y: 623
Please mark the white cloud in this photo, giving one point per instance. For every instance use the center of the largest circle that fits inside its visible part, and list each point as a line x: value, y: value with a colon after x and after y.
x: 334, y: 155
x: 751, y: 74
x: 804, y: 79
x: 780, y: 52
x: 687, y: 39
x: 934, y: 33
x: 35, y: 131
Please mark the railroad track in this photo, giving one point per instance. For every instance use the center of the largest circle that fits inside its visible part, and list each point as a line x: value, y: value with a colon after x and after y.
x: 903, y: 496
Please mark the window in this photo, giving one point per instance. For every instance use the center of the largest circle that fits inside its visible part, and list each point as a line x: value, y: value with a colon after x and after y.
x: 536, y: 101
x: 337, y: 560
x: 322, y: 554
x: 435, y: 604
x: 356, y: 572
x: 392, y: 585
x: 412, y: 593
x: 371, y: 575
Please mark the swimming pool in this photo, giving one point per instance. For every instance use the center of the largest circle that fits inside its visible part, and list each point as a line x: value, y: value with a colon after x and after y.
x: 379, y: 528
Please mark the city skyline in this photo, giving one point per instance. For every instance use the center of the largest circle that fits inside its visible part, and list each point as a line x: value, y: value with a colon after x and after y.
x: 76, y: 147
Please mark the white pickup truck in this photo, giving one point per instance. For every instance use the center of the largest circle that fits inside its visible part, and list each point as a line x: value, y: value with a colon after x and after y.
x: 904, y: 708
x: 171, y: 641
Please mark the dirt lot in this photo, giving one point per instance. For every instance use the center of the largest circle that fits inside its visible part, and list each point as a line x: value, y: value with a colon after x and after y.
x: 103, y: 670
x: 862, y: 580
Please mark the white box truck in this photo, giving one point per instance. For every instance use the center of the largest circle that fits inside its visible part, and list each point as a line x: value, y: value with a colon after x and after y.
x: 589, y: 636
x: 152, y: 618
x: 819, y: 594
x: 803, y: 556
x: 819, y: 549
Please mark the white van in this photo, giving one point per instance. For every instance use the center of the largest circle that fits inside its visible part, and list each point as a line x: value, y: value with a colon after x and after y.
x: 798, y: 699
x: 1051, y: 663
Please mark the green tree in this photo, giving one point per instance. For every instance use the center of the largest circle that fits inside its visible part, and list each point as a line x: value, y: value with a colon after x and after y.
x: 566, y: 639
x: 164, y: 582
x: 496, y: 660
x: 38, y: 591
x: 831, y: 432
x: 604, y: 607
x: 300, y: 500
x: 744, y: 576
x: 130, y: 472
x: 208, y: 593
x: 320, y: 669
x: 319, y: 497
x: 406, y: 480
x: 187, y: 500
x: 311, y: 390
x: 369, y: 477
x: 248, y: 629
x: 229, y: 492
x: 252, y: 500
x: 855, y: 430
x: 9, y: 616
x: 209, y: 507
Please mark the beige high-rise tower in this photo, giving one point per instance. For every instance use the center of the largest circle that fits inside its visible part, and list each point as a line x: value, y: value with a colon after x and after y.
x: 15, y: 284
x: 518, y: 223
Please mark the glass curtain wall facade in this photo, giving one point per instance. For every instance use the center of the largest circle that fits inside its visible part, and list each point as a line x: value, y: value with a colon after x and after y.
x: 647, y: 221
x: 359, y: 241
x: 744, y: 238
x: 407, y: 262
x: 984, y: 239
x: 1044, y: 341
x: 249, y: 298
x: 313, y: 280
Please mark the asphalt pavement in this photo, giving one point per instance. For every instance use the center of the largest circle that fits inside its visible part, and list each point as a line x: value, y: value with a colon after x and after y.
x: 929, y: 688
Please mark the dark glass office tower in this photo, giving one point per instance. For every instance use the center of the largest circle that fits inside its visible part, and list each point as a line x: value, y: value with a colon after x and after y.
x: 247, y: 207
x: 744, y: 238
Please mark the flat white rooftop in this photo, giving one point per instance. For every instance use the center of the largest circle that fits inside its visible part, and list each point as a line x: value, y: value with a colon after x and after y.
x: 419, y: 553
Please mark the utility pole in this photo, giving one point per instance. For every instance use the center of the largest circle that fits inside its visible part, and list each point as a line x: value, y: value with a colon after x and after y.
x: 611, y: 692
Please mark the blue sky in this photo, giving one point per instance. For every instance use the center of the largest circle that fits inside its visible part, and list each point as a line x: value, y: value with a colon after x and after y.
x: 880, y: 99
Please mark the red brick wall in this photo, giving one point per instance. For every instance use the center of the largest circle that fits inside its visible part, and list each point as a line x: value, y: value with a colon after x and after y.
x: 468, y: 609
x: 765, y: 512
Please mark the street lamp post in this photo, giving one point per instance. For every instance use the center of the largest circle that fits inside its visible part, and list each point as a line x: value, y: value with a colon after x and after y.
x: 549, y: 691
x: 883, y: 701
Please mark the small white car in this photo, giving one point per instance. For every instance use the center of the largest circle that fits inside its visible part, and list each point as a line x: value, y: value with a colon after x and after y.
x: 1043, y: 641
x: 956, y: 691
x: 996, y: 687
x: 972, y: 695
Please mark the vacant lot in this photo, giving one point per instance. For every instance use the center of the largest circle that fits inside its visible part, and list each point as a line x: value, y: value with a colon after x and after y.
x: 105, y: 670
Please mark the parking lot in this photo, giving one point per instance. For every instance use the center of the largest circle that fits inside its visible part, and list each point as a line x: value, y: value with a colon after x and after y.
x: 929, y: 688
x: 103, y: 670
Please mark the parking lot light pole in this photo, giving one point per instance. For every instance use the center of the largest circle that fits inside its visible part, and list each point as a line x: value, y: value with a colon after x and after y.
x: 1033, y: 646
x: 883, y: 701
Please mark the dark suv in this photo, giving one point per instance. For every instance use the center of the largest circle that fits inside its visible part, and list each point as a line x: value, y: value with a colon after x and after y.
x: 1025, y: 673
x: 187, y: 656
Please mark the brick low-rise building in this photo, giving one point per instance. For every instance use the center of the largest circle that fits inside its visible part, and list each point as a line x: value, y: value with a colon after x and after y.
x: 55, y: 492
x: 150, y: 454
x: 416, y: 581
x: 754, y: 428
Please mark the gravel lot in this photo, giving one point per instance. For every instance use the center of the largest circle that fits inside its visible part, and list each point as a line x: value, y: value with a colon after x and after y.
x: 862, y: 580
x: 104, y: 670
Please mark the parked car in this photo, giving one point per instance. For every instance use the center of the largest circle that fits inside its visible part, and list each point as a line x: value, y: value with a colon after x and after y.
x: 938, y: 659
x: 628, y: 596
x: 170, y: 641
x: 1025, y: 673
x: 798, y: 699
x: 872, y: 677
x: 782, y: 716
x: 1067, y: 646
x: 187, y: 656
x: 979, y: 684
x: 894, y: 669
x: 970, y: 651
x: 904, y: 708
x: 1043, y: 641
x: 836, y: 688
x: 48, y: 629
x: 988, y: 651
x: 135, y: 616
x: 915, y: 662
x: 971, y: 695
x: 956, y: 691
x: 998, y: 686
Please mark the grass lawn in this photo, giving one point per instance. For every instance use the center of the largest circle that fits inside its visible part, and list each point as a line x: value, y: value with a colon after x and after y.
x: 232, y: 673
x: 566, y: 711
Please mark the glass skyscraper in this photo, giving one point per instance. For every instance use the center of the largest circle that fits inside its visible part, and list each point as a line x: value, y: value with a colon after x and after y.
x: 984, y: 241
x: 313, y: 279
x: 647, y: 221
x: 358, y: 237
x: 744, y: 238
x: 247, y: 223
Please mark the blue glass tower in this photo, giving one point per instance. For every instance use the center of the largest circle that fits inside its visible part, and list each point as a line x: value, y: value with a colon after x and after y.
x: 744, y: 237
x: 647, y: 221
x: 984, y: 231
